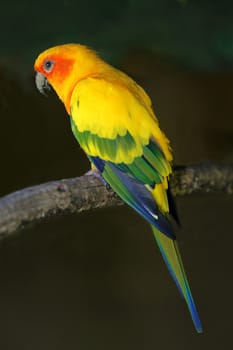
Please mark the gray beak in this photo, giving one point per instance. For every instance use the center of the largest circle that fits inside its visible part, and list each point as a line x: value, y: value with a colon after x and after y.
x: 42, y: 83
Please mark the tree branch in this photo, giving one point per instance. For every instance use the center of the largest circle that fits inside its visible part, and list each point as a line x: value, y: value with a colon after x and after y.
x: 75, y: 195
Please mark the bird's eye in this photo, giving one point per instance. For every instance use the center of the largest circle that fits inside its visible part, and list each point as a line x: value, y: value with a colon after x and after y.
x: 48, y: 65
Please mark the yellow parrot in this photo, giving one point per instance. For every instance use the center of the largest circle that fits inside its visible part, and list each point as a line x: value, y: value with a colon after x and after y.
x: 113, y: 121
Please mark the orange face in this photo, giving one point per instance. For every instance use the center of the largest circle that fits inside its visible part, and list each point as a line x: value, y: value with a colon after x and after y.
x: 54, y: 67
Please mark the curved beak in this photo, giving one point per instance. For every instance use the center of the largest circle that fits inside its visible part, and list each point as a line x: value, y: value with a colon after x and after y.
x: 42, y: 83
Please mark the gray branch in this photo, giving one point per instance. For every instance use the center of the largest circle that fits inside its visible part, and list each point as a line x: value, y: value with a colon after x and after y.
x: 33, y: 204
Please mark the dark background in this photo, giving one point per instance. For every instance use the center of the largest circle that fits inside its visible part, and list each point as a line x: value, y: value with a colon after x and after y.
x: 97, y: 280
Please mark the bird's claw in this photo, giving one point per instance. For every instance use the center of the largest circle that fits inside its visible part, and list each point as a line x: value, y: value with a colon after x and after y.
x: 97, y: 174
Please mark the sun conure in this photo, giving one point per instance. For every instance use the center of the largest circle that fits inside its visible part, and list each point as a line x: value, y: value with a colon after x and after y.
x: 114, y: 123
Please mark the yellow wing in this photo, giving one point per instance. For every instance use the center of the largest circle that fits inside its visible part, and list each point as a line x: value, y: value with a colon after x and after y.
x: 111, y: 111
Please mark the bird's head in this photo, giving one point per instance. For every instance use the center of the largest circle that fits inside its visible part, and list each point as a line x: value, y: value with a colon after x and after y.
x: 62, y: 67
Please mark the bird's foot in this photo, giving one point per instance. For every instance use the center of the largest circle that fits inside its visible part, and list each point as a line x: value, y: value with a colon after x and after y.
x: 97, y: 174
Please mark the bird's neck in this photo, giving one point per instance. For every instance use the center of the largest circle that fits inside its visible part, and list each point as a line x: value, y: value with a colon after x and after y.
x: 64, y: 89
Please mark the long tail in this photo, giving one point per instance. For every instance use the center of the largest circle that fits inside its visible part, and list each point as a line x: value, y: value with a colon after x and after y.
x: 172, y: 258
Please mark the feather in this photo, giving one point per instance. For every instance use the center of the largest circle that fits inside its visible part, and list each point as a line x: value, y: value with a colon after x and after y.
x: 171, y: 255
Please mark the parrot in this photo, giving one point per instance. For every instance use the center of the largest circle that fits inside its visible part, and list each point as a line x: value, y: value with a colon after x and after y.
x: 113, y: 120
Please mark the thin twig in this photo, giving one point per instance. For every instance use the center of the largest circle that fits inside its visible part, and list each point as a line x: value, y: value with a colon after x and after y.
x: 37, y: 203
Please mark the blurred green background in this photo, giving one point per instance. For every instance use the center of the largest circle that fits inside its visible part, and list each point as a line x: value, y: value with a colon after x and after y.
x: 97, y: 280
